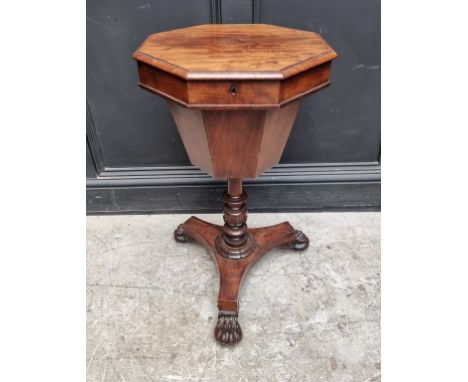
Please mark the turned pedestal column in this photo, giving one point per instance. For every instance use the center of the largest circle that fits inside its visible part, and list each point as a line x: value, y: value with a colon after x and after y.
x: 234, y: 92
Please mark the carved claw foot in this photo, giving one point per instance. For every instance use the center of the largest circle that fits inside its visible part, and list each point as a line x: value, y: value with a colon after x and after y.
x: 228, y: 330
x: 300, y: 244
x: 180, y: 236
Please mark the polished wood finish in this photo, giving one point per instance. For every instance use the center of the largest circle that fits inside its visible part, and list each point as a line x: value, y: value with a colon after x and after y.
x: 236, y: 248
x: 234, y: 138
x: 233, y: 271
x: 192, y: 131
x: 276, y: 128
x: 234, y: 66
x: 235, y: 51
x: 234, y: 143
x: 236, y: 241
x: 234, y: 92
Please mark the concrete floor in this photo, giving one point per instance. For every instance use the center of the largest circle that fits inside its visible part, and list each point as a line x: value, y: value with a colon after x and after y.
x: 311, y: 316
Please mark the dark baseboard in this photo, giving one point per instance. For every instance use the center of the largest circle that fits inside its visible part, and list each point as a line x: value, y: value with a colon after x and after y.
x: 285, y: 188
x: 262, y: 198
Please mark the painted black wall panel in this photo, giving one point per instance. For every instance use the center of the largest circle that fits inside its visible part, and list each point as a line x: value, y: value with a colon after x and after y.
x: 132, y: 138
x: 134, y: 127
x: 90, y: 169
x: 342, y: 122
x: 237, y: 12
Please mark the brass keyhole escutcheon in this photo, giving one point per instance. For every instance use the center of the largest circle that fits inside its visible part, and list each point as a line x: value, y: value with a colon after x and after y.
x: 233, y: 90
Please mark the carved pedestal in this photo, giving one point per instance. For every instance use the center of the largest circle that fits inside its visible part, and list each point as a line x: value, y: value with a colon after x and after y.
x: 236, y: 248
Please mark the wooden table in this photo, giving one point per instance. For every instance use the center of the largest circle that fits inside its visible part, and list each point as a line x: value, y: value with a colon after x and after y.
x: 234, y: 92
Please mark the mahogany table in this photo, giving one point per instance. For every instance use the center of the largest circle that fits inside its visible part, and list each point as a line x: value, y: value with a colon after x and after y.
x: 234, y: 92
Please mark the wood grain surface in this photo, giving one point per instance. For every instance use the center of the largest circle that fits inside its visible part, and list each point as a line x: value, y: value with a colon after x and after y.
x: 241, y: 66
x: 249, y: 72
x: 229, y: 144
x: 235, y: 51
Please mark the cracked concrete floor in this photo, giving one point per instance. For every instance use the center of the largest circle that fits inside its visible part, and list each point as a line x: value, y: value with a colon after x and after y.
x: 309, y: 316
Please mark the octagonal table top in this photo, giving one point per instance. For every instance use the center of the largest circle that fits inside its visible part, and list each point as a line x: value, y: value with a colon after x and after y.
x: 234, y: 51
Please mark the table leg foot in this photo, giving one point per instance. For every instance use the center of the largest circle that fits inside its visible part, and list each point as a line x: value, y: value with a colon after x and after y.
x: 180, y: 235
x: 227, y: 330
x: 300, y: 242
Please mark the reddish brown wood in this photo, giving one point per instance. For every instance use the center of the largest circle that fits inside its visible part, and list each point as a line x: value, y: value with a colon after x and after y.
x: 234, y: 92
x: 234, y: 138
x: 234, y: 186
x: 235, y: 242
x: 305, y: 83
x: 192, y: 131
x: 276, y: 129
x: 233, y: 51
x: 234, y: 143
x: 233, y: 272
x: 227, y: 66
x: 162, y: 83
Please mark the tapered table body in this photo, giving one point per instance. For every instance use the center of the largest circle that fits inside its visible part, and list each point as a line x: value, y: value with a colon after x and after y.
x: 234, y: 92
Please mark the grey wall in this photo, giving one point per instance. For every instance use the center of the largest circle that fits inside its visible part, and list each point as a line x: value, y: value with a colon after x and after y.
x: 135, y: 159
